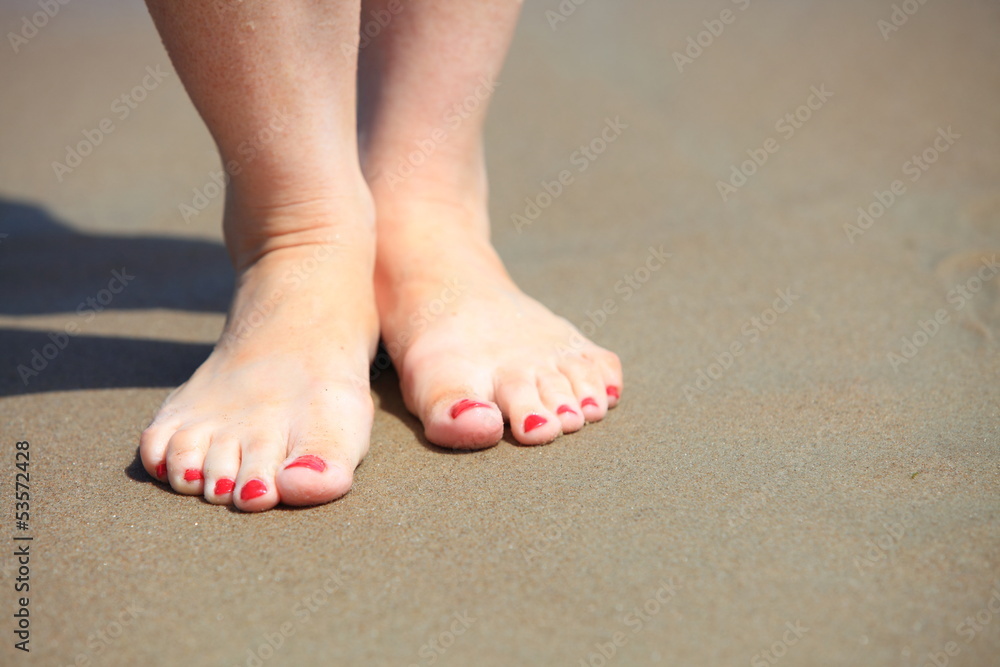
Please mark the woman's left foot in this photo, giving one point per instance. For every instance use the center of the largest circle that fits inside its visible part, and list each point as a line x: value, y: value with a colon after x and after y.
x: 472, y: 350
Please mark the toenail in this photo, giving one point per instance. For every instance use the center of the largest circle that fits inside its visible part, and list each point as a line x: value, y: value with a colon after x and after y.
x: 161, y: 469
x: 253, y: 489
x: 531, y: 422
x: 192, y: 475
x: 466, y: 404
x: 308, y: 461
x: 565, y: 408
x: 589, y: 401
x: 224, y: 486
x: 613, y: 391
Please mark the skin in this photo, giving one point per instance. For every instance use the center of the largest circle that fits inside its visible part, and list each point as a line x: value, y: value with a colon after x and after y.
x: 330, y: 244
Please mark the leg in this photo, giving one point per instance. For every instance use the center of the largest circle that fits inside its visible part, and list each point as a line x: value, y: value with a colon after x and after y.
x: 281, y: 410
x: 495, y: 353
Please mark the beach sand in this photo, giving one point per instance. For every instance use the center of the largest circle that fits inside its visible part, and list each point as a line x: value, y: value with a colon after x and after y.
x: 803, y: 469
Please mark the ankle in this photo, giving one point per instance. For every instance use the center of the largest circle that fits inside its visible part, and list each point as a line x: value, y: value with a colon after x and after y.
x: 259, y: 225
x: 435, y: 174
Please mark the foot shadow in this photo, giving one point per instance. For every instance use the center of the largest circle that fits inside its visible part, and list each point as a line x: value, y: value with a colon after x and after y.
x: 34, y: 363
x: 48, y: 267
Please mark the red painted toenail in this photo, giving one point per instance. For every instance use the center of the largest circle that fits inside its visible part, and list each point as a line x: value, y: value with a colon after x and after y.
x: 466, y: 404
x: 192, y: 475
x: 565, y: 408
x: 224, y: 486
x: 613, y: 391
x: 531, y: 422
x: 308, y: 461
x: 589, y: 401
x: 161, y: 469
x: 253, y: 489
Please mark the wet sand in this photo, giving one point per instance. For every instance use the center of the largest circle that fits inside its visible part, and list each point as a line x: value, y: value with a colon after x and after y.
x: 805, y: 462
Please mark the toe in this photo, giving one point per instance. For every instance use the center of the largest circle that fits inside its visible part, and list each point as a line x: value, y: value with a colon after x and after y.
x: 530, y: 421
x: 589, y: 388
x: 308, y: 478
x: 222, y: 464
x: 455, y: 413
x: 557, y: 395
x: 319, y: 466
x: 611, y: 374
x: 153, y: 449
x: 255, y: 489
x: 185, y: 459
x: 464, y: 420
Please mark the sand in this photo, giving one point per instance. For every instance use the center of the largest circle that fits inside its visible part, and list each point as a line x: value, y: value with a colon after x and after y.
x: 775, y: 480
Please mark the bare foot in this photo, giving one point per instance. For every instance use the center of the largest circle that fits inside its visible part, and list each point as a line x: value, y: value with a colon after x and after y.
x: 281, y: 410
x: 472, y: 349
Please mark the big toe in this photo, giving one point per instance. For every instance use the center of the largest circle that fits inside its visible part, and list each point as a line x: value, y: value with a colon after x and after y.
x: 313, y: 479
x: 461, y: 419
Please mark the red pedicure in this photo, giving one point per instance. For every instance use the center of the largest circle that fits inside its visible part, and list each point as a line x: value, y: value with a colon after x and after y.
x: 531, y: 422
x: 308, y: 461
x: 191, y: 475
x: 565, y: 408
x: 466, y: 404
x: 589, y: 401
x: 224, y: 486
x: 161, y: 469
x: 613, y: 392
x: 253, y: 489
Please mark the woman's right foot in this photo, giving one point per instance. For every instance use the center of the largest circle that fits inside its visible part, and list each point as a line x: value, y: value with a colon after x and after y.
x: 281, y: 410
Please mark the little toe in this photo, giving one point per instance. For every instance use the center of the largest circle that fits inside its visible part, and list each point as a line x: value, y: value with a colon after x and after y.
x: 153, y: 449
x: 611, y: 373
